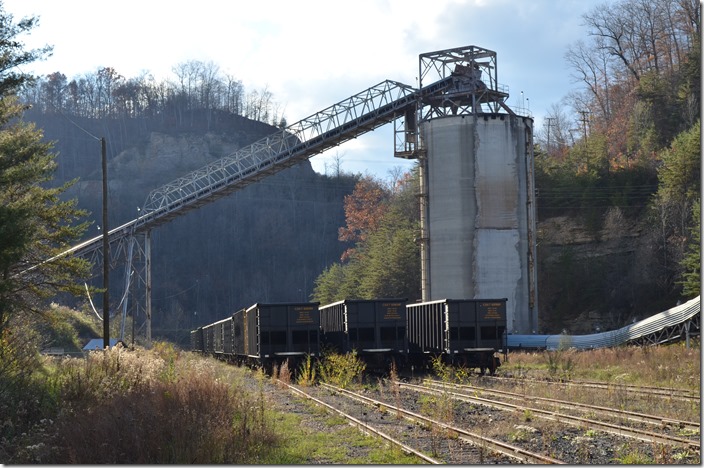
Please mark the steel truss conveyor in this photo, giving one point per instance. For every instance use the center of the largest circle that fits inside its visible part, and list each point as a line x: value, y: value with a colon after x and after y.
x: 454, y: 85
x: 679, y: 323
x: 344, y: 121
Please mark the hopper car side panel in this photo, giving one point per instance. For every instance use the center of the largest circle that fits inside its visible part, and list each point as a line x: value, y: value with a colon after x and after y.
x: 366, y: 326
x: 197, y: 339
x: 465, y: 332
x: 375, y: 329
x: 276, y: 332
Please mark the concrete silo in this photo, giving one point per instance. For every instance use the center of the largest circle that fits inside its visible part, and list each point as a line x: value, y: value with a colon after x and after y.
x: 477, y: 189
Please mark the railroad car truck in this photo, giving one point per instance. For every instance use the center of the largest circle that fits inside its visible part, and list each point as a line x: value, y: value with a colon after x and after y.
x: 274, y: 333
x: 465, y: 332
x: 374, y: 328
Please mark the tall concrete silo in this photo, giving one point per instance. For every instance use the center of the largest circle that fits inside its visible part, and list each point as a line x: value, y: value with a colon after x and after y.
x: 477, y: 188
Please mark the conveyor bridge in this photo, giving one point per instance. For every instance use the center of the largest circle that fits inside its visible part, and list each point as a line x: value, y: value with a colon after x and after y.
x: 344, y: 121
x: 681, y: 322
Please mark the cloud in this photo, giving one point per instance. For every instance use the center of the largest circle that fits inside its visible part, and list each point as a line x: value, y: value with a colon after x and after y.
x: 312, y: 54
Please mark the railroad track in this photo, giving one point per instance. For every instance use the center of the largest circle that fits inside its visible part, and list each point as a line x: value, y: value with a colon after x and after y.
x: 366, y: 428
x: 619, y: 430
x: 507, y: 453
x: 675, y: 393
x: 509, y: 450
x: 611, y: 413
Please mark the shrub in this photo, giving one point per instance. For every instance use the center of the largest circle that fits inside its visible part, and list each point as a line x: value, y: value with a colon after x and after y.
x: 24, y: 396
x: 340, y: 369
x: 120, y: 406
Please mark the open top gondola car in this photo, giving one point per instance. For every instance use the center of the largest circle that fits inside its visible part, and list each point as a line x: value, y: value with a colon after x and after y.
x: 466, y: 332
x: 209, y: 339
x: 274, y: 333
x: 197, y: 340
x: 222, y: 338
x: 375, y: 329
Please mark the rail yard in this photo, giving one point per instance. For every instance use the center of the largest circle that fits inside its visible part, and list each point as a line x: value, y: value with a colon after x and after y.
x: 508, y: 419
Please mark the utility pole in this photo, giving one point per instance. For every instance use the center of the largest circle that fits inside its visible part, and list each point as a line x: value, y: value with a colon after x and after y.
x: 106, y: 250
x: 584, y: 120
x: 550, y: 120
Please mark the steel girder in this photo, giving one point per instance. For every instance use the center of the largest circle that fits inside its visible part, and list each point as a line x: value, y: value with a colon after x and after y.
x: 475, y: 84
x: 330, y: 127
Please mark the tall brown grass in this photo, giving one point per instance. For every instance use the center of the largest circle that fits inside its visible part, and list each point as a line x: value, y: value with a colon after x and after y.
x: 672, y: 366
x: 159, y: 406
x: 668, y: 367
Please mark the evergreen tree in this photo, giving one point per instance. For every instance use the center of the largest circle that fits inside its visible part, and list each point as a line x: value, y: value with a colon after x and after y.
x: 672, y: 208
x: 691, y: 264
x: 35, y: 225
x: 385, y: 259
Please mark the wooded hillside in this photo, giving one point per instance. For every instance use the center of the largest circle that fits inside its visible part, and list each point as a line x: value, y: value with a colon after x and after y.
x: 265, y: 243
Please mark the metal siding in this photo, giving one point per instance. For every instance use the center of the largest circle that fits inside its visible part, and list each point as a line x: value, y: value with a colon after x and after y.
x: 197, y: 339
x: 253, y: 332
x: 332, y: 323
x: 238, y: 333
x: 461, y: 314
x: 491, y: 313
x: 278, y: 321
x: 392, y: 314
x: 227, y: 337
x: 426, y: 325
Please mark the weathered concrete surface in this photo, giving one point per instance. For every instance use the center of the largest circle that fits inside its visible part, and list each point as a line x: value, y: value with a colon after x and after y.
x: 480, y: 221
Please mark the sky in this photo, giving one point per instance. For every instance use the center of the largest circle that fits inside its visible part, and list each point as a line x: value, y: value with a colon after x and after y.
x: 311, y: 54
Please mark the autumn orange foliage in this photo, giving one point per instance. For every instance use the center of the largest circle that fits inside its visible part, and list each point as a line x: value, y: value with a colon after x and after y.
x: 364, y: 209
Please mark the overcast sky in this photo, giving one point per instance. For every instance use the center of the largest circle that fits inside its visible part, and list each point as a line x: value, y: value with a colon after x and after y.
x: 313, y: 54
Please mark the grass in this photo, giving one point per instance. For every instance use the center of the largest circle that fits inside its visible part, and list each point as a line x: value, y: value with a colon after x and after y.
x: 664, y: 366
x: 164, y: 406
x: 203, y: 413
x: 302, y: 444
x: 672, y: 366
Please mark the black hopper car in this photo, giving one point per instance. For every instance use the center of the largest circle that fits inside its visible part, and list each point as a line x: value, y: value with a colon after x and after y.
x: 462, y: 332
x: 375, y: 329
x: 263, y: 335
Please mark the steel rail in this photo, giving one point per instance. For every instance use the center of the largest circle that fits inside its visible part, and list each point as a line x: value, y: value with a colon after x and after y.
x: 675, y: 393
x: 643, y: 388
x: 623, y: 431
x: 504, y: 448
x: 629, y: 415
x: 366, y: 427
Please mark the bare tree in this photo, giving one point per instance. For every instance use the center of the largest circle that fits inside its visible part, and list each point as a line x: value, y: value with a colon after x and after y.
x: 592, y: 67
x: 617, y: 35
x: 554, y: 136
x: 208, y: 85
x: 53, y: 92
x: 107, y: 80
x: 234, y: 92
